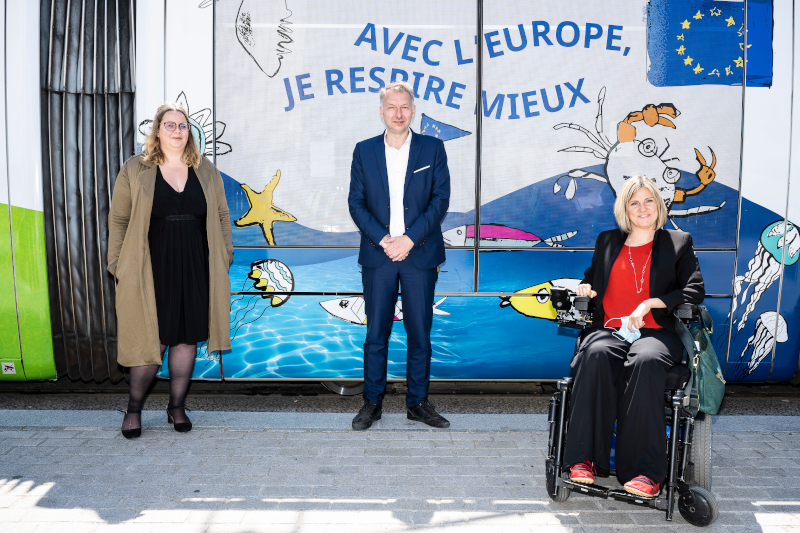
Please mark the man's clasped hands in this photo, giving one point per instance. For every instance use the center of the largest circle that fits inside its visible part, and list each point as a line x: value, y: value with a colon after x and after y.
x: 397, y: 248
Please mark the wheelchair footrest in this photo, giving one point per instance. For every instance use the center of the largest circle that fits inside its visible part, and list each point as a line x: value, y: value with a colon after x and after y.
x: 586, y: 488
x: 623, y: 495
x: 616, y: 494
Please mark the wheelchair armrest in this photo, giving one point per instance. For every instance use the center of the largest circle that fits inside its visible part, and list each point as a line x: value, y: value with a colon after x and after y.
x: 686, y: 311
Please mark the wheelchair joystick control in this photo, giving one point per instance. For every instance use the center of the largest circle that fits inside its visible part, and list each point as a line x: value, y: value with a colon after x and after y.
x: 582, y: 303
x: 571, y: 311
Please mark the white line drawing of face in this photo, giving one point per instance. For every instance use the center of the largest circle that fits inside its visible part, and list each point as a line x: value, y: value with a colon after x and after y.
x: 264, y: 31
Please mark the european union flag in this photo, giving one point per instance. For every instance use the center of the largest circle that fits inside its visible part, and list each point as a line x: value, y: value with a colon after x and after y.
x: 440, y: 130
x: 701, y: 42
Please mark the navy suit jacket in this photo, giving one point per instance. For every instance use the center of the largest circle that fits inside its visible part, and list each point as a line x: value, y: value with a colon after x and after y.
x: 425, y: 200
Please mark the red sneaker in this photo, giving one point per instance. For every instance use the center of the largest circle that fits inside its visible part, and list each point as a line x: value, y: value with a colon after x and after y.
x: 642, y: 486
x: 582, y: 472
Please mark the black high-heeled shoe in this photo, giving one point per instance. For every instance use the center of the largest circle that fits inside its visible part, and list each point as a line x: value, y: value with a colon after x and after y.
x: 180, y: 427
x: 131, y: 433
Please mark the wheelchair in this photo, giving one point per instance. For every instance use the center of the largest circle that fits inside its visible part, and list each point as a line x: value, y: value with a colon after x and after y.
x: 688, y: 437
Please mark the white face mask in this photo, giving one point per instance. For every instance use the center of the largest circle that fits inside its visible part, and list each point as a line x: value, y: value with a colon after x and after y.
x: 623, y: 333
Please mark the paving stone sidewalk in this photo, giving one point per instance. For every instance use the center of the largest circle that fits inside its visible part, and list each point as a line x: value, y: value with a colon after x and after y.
x: 304, y: 472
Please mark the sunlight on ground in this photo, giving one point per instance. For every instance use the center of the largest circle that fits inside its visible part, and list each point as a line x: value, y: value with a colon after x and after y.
x: 19, y: 511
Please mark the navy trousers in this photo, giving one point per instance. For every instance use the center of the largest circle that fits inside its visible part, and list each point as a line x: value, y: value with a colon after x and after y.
x: 380, y: 296
x: 617, y: 381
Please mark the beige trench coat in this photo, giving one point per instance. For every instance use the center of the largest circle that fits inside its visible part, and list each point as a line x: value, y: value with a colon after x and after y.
x: 129, y: 261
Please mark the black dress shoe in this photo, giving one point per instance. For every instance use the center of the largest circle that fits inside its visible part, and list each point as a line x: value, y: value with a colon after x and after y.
x: 134, y: 433
x: 369, y: 413
x: 425, y: 413
x: 180, y: 427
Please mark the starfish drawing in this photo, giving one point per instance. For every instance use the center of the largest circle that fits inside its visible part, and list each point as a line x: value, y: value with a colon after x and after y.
x: 262, y: 210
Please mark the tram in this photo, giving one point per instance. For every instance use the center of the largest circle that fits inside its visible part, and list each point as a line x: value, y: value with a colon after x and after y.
x: 544, y: 108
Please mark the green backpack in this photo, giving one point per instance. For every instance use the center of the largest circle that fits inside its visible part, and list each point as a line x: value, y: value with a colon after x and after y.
x: 708, y: 385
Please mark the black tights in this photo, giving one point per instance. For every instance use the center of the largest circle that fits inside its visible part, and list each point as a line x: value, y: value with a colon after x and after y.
x: 181, y: 364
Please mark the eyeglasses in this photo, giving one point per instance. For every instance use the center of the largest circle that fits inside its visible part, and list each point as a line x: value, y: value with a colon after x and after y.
x: 170, y: 126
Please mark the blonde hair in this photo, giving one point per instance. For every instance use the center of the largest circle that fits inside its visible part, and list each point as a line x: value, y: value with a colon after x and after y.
x: 151, y: 150
x: 399, y: 86
x: 631, y: 187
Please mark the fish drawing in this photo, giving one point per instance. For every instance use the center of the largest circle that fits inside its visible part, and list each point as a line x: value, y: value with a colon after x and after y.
x: 352, y: 309
x: 538, y: 306
x: 497, y: 235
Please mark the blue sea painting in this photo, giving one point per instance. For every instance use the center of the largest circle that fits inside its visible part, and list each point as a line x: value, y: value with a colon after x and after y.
x: 472, y: 337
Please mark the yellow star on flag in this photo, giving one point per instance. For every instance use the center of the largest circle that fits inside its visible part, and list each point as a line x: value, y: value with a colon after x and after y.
x: 728, y: 70
x: 741, y: 46
x: 680, y: 50
x: 715, y: 12
x: 739, y: 62
x: 698, y: 16
x: 730, y: 21
x: 698, y: 69
x: 262, y: 210
x: 680, y: 37
x: 688, y: 61
x: 685, y: 24
x: 715, y: 71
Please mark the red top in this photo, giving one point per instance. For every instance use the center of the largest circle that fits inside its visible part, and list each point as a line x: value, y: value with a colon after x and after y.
x: 621, y: 298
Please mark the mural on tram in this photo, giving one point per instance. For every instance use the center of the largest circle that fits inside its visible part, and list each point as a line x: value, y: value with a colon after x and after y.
x: 574, y: 97
x: 297, y: 89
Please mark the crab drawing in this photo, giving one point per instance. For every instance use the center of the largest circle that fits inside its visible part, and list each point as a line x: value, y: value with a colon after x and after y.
x: 629, y: 156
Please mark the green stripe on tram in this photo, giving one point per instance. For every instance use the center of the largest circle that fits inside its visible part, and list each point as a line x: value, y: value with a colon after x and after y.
x: 10, y: 361
x: 30, y: 268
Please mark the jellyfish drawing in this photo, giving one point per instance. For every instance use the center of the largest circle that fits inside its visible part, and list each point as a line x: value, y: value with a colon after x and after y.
x: 204, y: 357
x: 780, y: 241
x: 264, y: 30
x: 268, y: 276
x: 770, y: 328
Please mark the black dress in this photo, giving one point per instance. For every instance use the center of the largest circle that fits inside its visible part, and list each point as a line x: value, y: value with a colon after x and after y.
x: 179, y: 254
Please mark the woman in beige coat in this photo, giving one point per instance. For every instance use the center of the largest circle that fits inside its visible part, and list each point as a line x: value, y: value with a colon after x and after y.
x: 169, y: 248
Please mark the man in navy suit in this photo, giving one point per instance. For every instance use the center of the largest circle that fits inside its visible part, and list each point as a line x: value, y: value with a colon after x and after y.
x: 399, y: 194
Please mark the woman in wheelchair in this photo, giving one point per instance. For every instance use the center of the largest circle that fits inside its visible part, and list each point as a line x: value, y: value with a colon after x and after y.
x: 639, y: 273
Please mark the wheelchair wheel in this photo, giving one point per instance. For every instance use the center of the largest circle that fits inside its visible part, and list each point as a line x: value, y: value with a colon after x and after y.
x: 698, y: 507
x: 700, y: 454
x: 560, y: 495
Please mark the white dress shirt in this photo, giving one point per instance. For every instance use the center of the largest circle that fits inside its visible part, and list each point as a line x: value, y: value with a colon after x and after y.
x: 396, y: 166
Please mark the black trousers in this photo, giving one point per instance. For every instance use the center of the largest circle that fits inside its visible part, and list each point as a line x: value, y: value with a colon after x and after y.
x: 617, y: 381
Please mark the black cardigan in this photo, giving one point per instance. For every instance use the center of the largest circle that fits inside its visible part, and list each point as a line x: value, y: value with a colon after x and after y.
x: 675, y: 276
